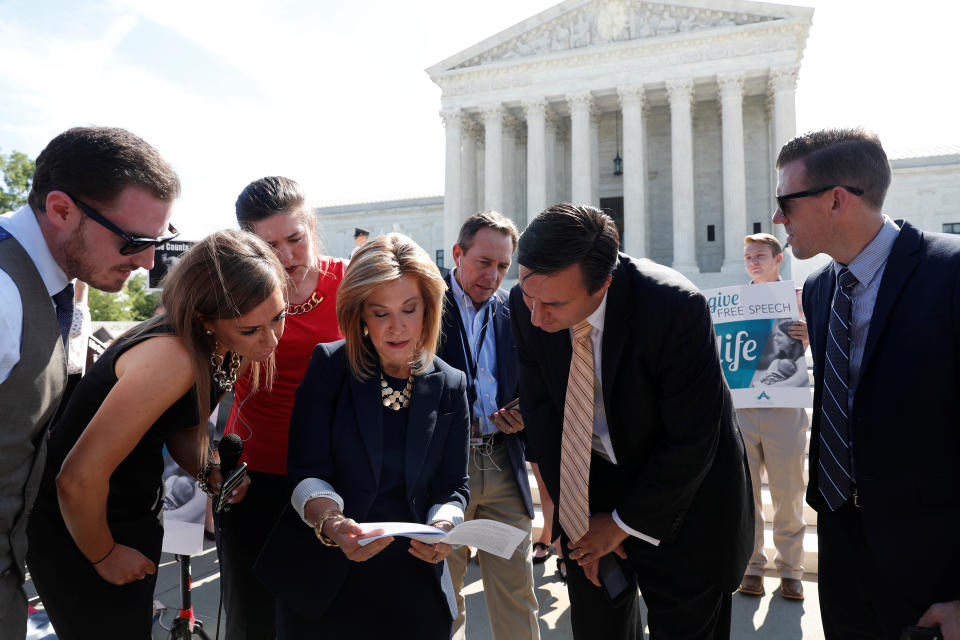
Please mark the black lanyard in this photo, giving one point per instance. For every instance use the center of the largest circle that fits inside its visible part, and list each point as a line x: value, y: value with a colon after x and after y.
x: 466, y: 345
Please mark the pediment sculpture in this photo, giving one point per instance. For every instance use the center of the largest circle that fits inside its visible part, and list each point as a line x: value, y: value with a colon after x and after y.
x: 605, y: 21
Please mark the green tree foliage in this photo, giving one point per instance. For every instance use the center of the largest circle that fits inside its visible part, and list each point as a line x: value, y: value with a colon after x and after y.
x: 16, y: 170
x: 134, y: 302
x: 141, y: 302
x: 107, y: 307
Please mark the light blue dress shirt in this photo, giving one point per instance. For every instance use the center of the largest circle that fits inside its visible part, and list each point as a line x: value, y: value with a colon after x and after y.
x: 486, y: 360
x: 868, y: 268
x: 23, y: 226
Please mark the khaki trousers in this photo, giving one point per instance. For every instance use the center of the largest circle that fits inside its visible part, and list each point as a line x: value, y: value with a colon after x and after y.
x: 507, y: 584
x: 776, y: 439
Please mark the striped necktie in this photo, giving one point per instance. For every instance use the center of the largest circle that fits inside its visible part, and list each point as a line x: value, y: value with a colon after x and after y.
x: 577, y: 437
x: 835, y: 476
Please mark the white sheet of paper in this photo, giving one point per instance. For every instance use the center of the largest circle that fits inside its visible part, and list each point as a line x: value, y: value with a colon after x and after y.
x: 488, y: 535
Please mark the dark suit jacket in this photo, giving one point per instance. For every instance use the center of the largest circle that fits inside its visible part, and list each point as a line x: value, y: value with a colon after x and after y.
x: 336, y: 435
x: 906, y: 427
x: 453, y: 353
x: 682, y: 471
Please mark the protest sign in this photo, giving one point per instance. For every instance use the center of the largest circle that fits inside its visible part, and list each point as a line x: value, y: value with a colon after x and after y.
x: 763, y: 365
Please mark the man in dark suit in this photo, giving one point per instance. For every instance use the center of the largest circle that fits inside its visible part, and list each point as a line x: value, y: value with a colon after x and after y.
x: 478, y: 340
x: 634, y: 431
x: 884, y: 323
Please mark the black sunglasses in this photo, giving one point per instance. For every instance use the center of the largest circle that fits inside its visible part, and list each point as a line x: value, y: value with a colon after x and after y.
x: 784, y: 199
x: 132, y: 244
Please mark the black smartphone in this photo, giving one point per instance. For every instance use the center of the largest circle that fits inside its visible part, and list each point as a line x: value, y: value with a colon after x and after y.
x: 619, y: 582
x: 921, y: 633
x: 513, y: 404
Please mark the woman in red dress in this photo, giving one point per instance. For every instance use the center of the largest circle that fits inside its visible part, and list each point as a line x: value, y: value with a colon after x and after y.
x: 273, y: 208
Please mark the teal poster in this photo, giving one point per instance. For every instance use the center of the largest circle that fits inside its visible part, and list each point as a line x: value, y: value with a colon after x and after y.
x: 763, y: 365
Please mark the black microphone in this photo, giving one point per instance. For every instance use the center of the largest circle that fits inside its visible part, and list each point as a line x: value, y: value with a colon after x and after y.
x: 230, y: 449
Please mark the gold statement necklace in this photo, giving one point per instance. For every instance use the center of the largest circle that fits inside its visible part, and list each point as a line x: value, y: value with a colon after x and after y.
x: 306, y: 306
x: 396, y: 399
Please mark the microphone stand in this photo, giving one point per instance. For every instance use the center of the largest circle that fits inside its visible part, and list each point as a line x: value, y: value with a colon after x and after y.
x: 185, y: 625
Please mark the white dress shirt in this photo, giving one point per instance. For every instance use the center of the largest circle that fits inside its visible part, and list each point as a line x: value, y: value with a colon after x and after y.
x: 601, y: 431
x: 23, y: 226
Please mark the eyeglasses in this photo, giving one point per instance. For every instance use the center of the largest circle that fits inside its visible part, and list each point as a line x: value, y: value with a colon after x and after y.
x: 132, y: 244
x: 784, y: 199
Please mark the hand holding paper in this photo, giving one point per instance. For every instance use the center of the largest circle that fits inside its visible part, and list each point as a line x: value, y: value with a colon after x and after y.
x: 489, y: 535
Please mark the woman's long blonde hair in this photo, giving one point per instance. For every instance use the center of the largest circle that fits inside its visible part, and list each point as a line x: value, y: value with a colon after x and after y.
x: 225, y: 275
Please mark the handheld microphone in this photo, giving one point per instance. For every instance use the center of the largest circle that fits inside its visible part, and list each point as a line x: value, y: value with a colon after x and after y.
x: 230, y: 449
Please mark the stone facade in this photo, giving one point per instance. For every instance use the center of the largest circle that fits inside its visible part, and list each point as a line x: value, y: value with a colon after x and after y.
x: 696, y: 101
x: 925, y: 191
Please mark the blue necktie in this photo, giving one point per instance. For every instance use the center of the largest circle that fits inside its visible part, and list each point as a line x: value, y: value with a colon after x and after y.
x: 835, y: 475
x: 64, y: 302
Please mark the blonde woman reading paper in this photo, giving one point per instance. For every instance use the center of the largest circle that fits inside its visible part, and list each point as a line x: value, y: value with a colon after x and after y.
x: 94, y: 533
x: 379, y: 433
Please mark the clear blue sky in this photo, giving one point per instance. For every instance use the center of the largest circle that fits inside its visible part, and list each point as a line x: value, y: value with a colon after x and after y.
x: 333, y: 93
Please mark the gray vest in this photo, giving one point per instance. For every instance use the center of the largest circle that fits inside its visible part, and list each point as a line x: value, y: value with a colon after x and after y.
x: 28, y: 400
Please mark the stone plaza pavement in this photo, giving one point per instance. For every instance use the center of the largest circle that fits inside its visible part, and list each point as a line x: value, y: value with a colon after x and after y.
x: 769, y: 617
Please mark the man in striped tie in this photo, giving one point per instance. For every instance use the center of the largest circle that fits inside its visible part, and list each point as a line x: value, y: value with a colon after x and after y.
x: 884, y: 324
x: 629, y: 417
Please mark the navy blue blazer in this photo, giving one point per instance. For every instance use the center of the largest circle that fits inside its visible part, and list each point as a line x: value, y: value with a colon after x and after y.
x: 336, y: 436
x: 453, y: 353
x: 681, y: 475
x: 905, y: 418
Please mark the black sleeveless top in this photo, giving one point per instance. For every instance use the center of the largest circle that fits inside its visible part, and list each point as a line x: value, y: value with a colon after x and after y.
x: 136, y: 486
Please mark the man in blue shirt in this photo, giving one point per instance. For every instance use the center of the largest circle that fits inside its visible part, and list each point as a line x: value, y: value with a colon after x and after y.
x: 479, y: 341
x: 884, y: 323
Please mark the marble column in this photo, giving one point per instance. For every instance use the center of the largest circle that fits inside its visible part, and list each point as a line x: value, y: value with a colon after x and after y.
x: 468, y: 168
x: 509, y: 169
x: 594, y: 159
x: 581, y: 162
x: 632, y: 101
x: 782, y: 86
x: 536, y: 113
x: 734, y: 171
x: 452, y: 213
x: 493, y: 157
x: 680, y: 94
x: 552, y: 150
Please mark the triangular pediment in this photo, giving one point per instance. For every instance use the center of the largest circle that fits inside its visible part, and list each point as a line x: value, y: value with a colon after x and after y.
x: 576, y: 24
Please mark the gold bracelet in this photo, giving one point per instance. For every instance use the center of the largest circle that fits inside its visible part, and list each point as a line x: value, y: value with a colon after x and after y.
x: 329, y: 514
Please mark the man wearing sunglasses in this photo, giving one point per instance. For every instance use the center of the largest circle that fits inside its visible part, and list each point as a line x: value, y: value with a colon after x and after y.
x: 884, y: 326
x: 99, y: 204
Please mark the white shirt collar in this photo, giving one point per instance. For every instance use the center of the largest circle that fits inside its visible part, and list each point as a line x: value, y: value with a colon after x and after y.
x: 22, y: 225
x: 596, y: 318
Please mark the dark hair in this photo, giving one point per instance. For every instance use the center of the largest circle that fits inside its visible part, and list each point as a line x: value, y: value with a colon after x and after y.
x: 489, y: 220
x: 852, y: 157
x: 358, y: 231
x: 97, y: 163
x: 268, y: 196
x: 566, y: 234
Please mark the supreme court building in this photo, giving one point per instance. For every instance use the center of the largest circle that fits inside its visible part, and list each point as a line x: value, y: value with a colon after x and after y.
x: 668, y: 115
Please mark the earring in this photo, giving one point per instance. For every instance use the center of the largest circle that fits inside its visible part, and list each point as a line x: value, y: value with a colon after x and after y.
x: 225, y: 379
x: 208, y: 332
x: 366, y: 331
